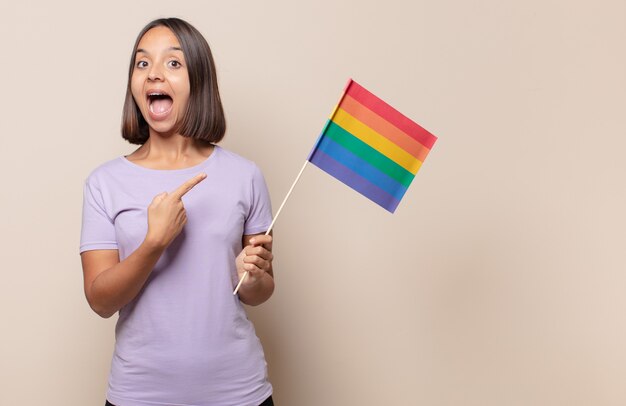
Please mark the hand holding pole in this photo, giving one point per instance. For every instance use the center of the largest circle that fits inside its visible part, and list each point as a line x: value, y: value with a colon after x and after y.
x: 245, y: 275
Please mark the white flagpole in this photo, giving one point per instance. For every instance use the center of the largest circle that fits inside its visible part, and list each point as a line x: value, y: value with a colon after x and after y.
x: 345, y: 89
x: 245, y: 275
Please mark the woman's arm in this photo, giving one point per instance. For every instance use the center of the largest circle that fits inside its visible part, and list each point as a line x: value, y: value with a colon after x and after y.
x: 256, y: 258
x: 110, y: 283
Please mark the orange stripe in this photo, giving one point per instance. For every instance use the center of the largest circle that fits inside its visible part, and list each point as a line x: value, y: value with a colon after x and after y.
x: 384, y: 128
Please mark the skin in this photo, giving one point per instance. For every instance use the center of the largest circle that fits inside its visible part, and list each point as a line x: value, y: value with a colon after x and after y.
x: 160, y: 66
x: 110, y: 283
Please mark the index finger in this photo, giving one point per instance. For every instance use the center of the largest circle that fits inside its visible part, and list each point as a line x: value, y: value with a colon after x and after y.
x: 187, y: 186
x: 261, y: 239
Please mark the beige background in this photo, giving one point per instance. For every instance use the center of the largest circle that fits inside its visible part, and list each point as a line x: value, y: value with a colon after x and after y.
x: 499, y: 281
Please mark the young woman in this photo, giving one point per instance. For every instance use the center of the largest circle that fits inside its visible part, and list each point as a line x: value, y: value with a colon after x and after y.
x: 169, y: 229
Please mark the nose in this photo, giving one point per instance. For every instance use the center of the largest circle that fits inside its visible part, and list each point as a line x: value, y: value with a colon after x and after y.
x: 155, y: 73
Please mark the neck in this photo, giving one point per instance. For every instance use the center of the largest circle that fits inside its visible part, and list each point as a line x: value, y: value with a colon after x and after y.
x: 172, y: 150
x: 171, y: 146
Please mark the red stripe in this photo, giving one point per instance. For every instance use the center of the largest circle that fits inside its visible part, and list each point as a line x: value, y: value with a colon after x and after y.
x: 410, y: 127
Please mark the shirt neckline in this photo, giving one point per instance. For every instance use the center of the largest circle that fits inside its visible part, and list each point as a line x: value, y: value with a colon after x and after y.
x: 190, y: 169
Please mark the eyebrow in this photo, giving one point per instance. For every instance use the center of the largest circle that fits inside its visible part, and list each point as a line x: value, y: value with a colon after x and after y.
x: 168, y: 49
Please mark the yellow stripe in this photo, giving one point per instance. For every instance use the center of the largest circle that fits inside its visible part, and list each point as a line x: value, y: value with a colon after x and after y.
x: 376, y: 141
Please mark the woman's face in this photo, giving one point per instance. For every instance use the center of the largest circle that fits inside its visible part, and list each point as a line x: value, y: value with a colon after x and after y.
x: 160, y: 81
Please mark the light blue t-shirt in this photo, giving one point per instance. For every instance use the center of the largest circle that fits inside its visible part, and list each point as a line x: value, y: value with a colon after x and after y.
x: 185, y: 339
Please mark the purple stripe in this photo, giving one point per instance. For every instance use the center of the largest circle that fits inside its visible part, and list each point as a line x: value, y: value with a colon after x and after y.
x: 355, y: 181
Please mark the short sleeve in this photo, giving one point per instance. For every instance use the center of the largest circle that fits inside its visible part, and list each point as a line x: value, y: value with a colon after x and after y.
x: 259, y: 216
x: 98, y: 230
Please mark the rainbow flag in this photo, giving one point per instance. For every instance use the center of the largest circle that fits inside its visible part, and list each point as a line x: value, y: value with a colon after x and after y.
x: 371, y: 147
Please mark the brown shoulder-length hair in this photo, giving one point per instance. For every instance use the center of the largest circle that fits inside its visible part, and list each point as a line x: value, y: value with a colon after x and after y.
x: 204, y: 117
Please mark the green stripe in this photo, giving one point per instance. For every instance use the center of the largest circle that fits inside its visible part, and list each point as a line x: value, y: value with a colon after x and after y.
x: 369, y: 154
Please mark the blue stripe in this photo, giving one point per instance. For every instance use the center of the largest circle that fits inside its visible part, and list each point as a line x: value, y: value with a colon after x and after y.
x: 355, y: 181
x: 362, y: 168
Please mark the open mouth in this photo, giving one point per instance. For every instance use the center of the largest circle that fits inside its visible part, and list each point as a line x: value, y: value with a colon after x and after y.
x: 159, y: 103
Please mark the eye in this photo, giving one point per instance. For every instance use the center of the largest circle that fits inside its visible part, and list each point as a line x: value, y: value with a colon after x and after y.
x: 141, y: 64
x: 174, y: 64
